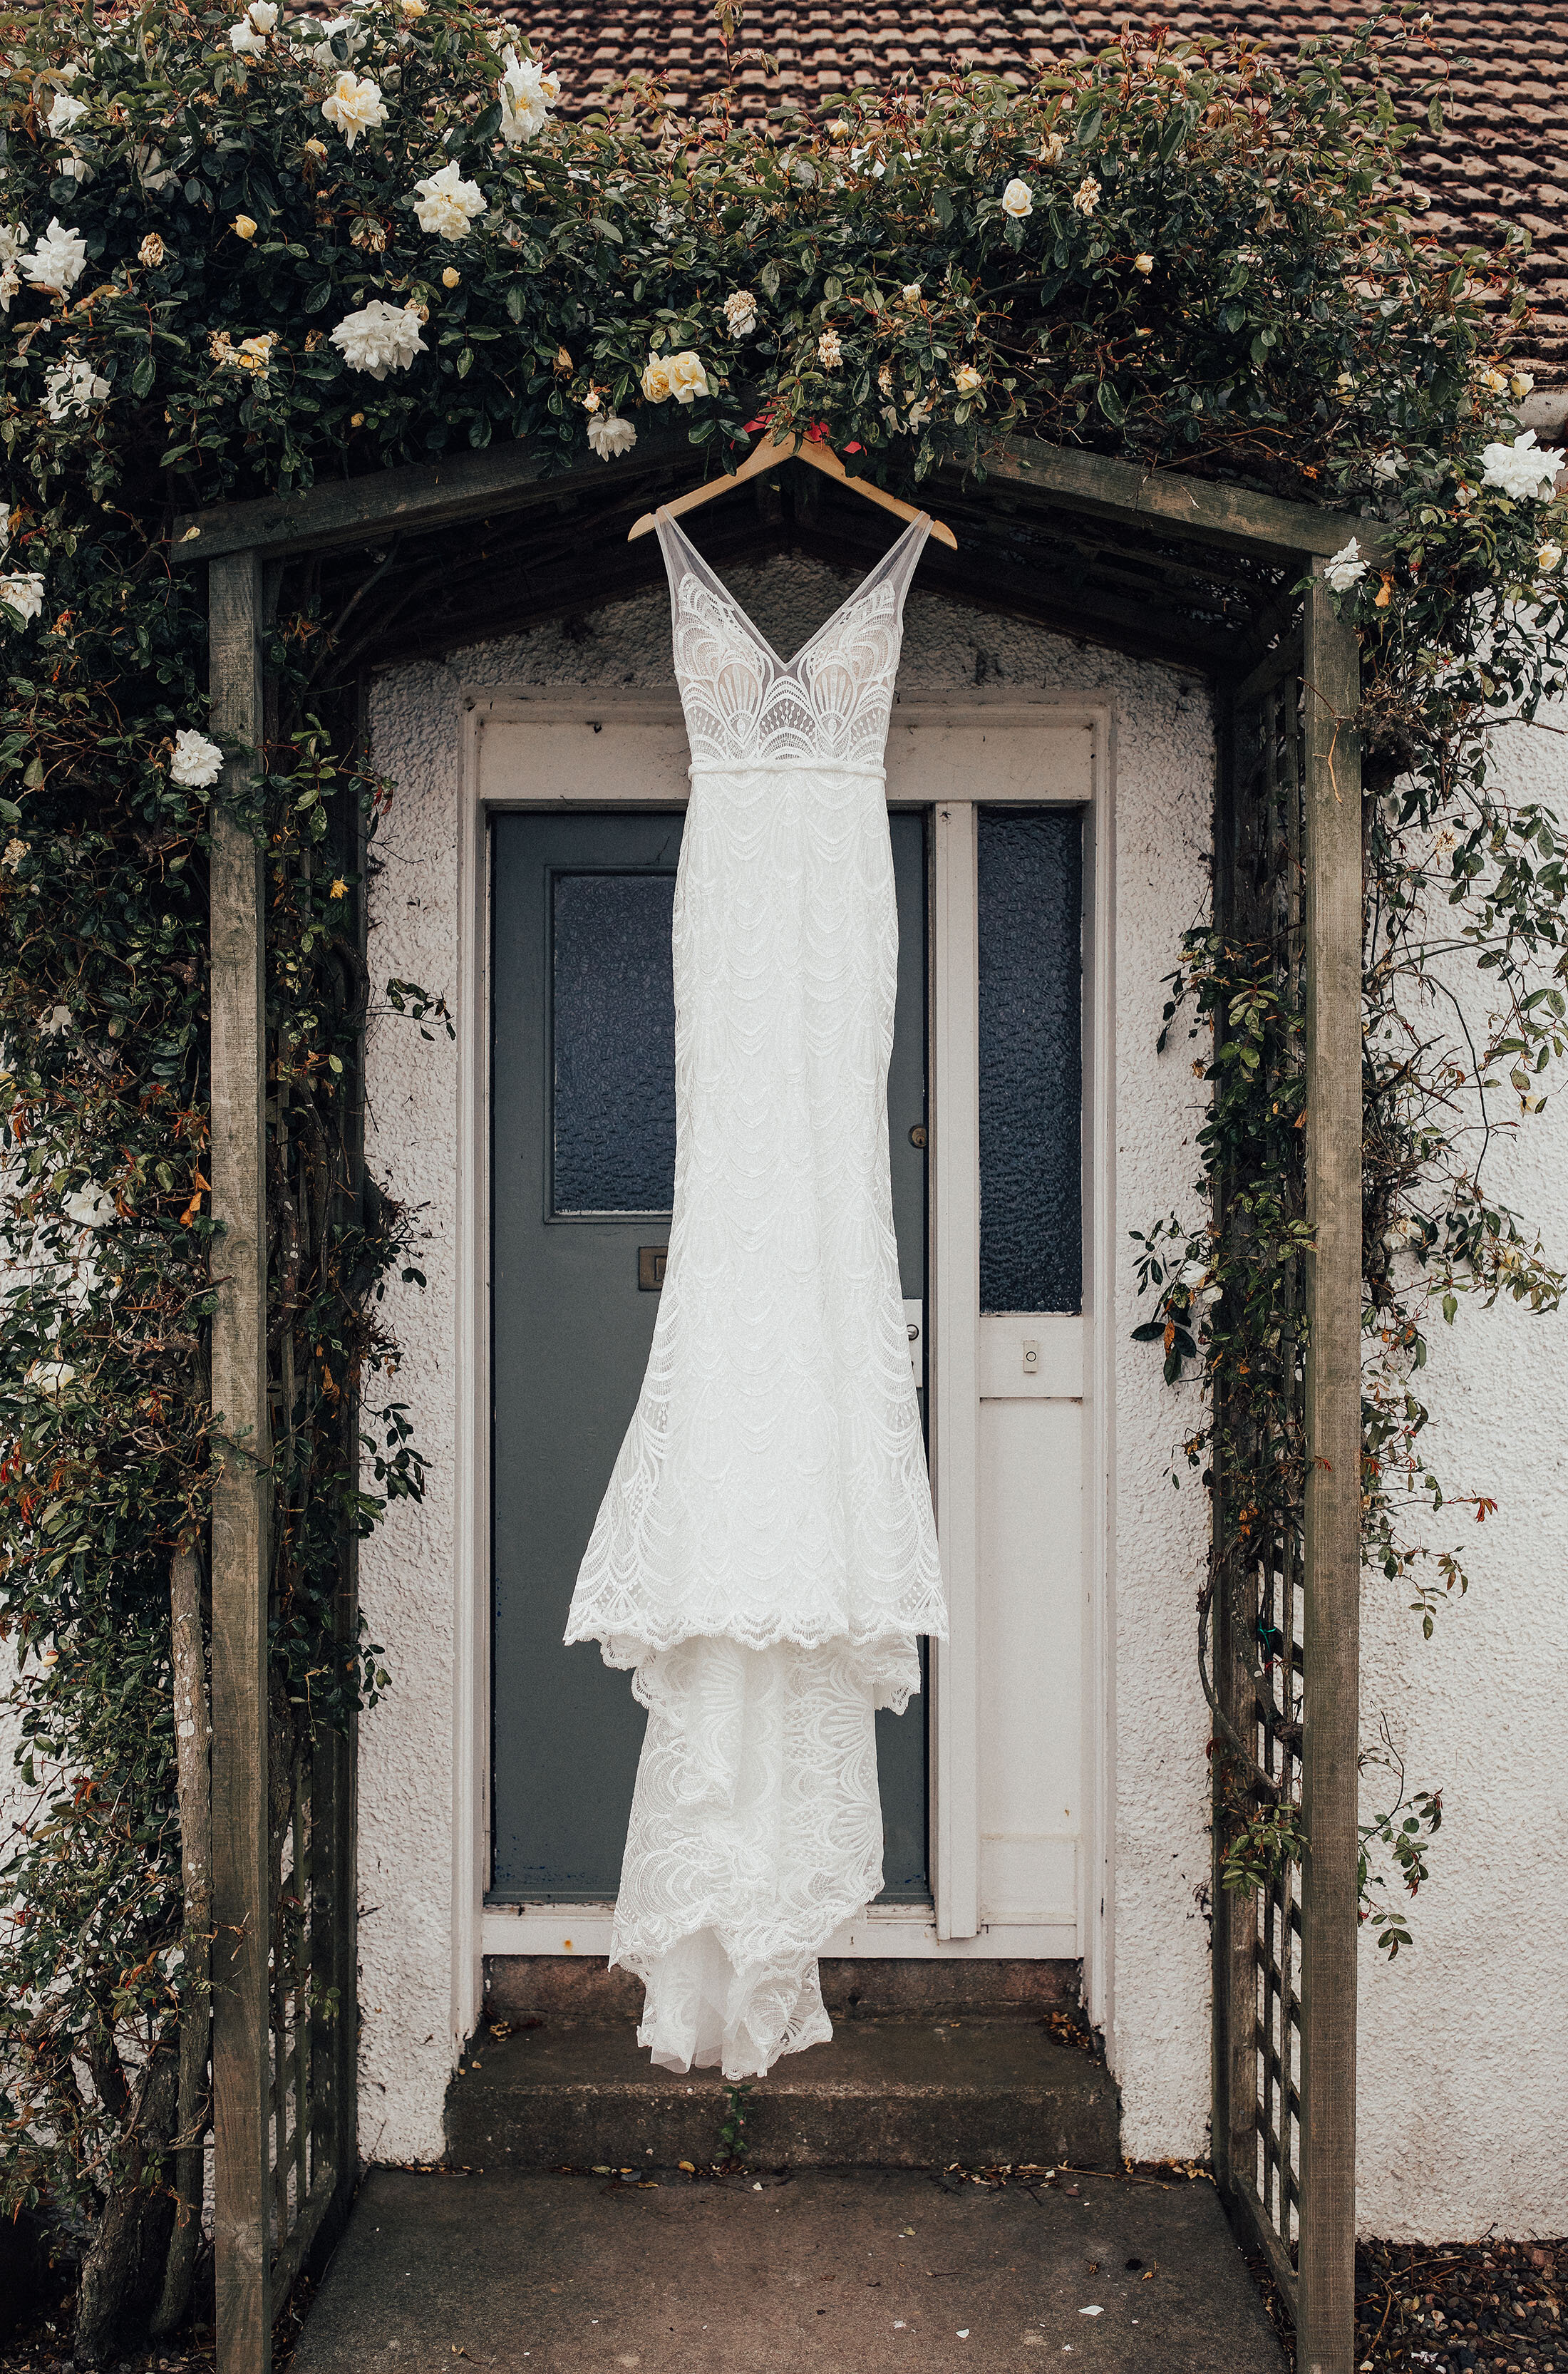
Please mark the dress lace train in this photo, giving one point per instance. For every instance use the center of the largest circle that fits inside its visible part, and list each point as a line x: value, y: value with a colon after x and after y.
x: 756, y: 1830
x: 765, y: 1554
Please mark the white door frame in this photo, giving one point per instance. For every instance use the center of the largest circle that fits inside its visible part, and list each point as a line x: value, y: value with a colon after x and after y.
x: 1076, y: 742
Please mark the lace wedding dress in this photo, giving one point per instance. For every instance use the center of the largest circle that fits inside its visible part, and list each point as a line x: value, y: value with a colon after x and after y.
x: 765, y: 1554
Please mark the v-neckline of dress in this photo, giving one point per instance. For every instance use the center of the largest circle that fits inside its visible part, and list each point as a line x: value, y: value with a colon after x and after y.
x: 787, y: 667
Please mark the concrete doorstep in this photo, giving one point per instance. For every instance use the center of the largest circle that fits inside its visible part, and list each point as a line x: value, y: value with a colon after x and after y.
x: 819, y: 2270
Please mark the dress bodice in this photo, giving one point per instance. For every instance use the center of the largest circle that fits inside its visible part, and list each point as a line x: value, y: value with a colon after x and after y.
x: 827, y: 707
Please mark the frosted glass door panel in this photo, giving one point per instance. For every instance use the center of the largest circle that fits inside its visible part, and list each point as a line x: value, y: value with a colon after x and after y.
x: 1031, y: 900
x: 612, y: 1029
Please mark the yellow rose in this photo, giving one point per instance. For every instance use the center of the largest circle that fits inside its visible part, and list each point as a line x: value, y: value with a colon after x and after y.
x: 687, y: 378
x: 656, y: 379
x: 451, y: 276
x: 244, y: 227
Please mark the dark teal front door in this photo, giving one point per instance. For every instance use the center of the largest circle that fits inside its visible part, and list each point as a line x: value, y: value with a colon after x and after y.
x: 582, y: 1158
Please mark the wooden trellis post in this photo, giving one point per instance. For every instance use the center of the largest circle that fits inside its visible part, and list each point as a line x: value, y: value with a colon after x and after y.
x: 242, y: 1494
x: 1331, y: 1577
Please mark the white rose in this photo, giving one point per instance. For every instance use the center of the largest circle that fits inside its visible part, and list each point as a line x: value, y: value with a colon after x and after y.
x: 263, y: 15
x: 830, y: 354
x: 197, y: 762
x: 90, y: 1207
x: 1052, y: 148
x: 1086, y: 197
x: 1494, y: 381
x: 912, y: 290
x: 354, y: 105
x: 65, y: 111
x: 379, y: 338
x: 687, y: 378
x: 1386, y: 468
x: 1144, y: 263
x: 740, y: 312
x: 56, y: 1023
x: 1522, y: 469
x: 526, y: 92
x: 23, y: 595
x: 1520, y: 383
x: 50, y: 1377
x: 447, y: 204
x: 59, y: 258
x: 72, y: 388
x: 245, y: 40
x: 357, y: 37
x: 656, y: 378
x: 966, y: 379
x: 1346, y: 568
x: 608, y: 436
x: 1017, y: 199
x: 1549, y: 556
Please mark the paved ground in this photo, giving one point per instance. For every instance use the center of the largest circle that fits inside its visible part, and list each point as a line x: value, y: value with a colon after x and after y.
x: 827, y: 2272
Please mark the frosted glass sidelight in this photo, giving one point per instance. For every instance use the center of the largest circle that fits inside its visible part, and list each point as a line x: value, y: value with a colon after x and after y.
x: 1031, y: 895
x: 613, y: 1043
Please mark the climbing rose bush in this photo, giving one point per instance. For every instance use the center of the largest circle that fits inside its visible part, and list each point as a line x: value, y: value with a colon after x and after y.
x: 241, y: 252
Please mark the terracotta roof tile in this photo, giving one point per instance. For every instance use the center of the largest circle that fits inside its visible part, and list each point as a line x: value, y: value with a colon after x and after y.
x: 1502, y: 158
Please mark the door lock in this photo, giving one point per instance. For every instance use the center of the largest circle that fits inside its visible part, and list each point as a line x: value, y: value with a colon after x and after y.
x: 917, y: 1135
x: 651, y: 1259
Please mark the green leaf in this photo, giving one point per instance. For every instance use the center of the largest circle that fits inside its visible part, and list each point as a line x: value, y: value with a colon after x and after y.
x: 1110, y: 403
x: 516, y: 300
x: 143, y: 376
x: 314, y: 298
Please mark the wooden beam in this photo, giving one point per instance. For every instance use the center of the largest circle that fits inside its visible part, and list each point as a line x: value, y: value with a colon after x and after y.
x: 1284, y: 660
x: 1097, y: 486
x: 242, y: 1490
x: 339, y: 513
x: 1331, y: 1613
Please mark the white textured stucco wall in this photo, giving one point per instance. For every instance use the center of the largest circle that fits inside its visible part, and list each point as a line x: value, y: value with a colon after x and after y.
x: 1463, y: 2086
x: 1461, y: 2115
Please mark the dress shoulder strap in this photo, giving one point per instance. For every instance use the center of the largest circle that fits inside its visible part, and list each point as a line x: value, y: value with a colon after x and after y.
x: 899, y: 563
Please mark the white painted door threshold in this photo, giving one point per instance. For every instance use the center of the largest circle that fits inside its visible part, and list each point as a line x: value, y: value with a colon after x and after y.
x: 877, y: 1935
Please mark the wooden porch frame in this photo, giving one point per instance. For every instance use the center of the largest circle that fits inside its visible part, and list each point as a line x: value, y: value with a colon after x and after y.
x: 233, y: 539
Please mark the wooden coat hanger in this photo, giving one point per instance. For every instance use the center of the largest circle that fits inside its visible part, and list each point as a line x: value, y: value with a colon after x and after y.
x: 769, y: 454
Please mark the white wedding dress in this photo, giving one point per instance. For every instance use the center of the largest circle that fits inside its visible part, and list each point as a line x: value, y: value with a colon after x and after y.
x: 765, y: 1554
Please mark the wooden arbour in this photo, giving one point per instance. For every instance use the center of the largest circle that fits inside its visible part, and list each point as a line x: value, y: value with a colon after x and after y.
x: 1157, y: 564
